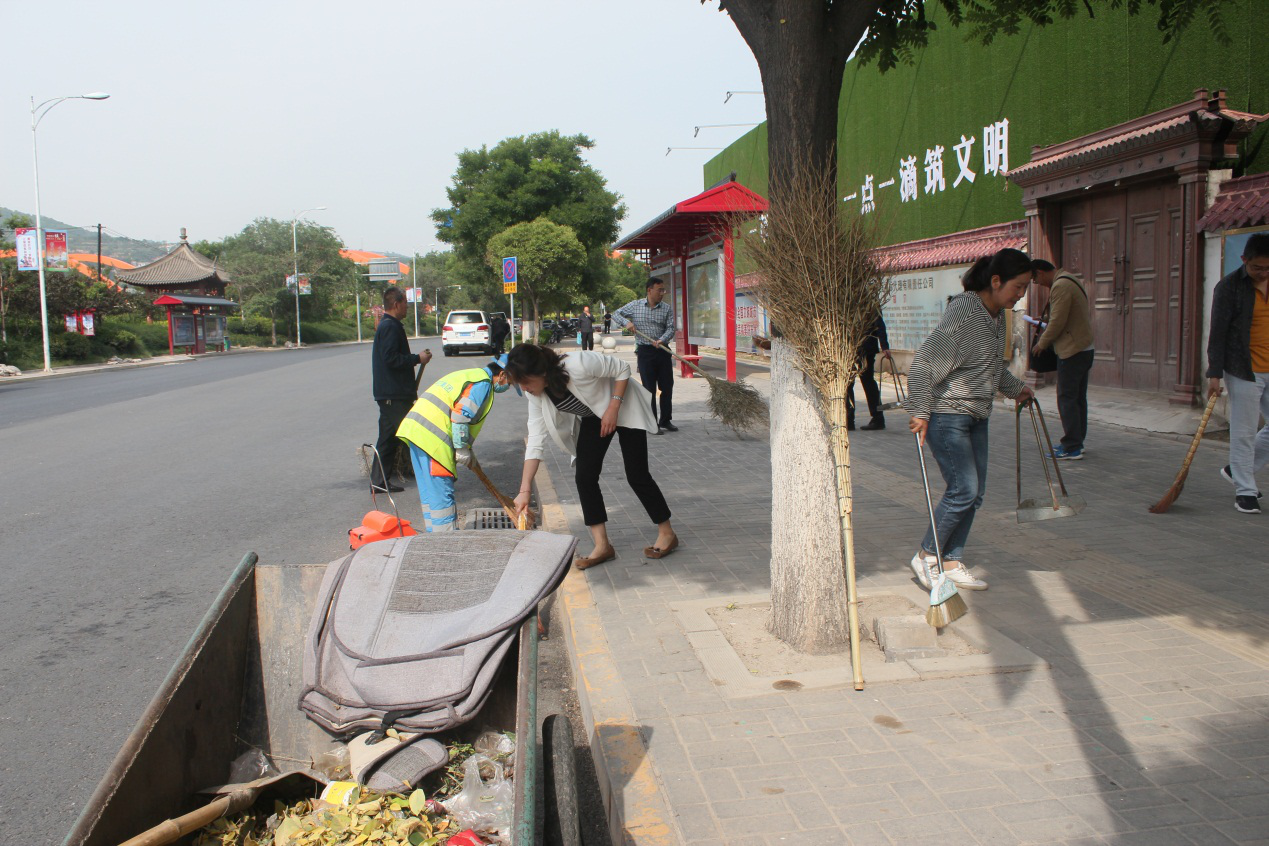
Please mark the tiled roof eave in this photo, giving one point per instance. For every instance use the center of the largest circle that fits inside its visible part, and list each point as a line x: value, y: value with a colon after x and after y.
x: 1105, y: 152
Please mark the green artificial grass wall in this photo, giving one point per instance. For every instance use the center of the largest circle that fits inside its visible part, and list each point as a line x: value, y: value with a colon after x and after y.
x: 1052, y: 83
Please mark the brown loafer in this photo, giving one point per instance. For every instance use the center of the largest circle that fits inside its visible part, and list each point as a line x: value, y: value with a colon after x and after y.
x: 656, y: 552
x: 585, y: 563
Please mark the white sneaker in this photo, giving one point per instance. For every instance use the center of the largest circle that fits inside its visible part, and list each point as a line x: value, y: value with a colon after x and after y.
x: 920, y: 566
x: 960, y: 577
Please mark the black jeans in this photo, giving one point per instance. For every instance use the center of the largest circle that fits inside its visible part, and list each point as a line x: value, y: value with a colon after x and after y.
x: 1072, y: 397
x: 588, y: 340
x: 872, y: 392
x: 391, y: 413
x: 656, y: 370
x: 591, y: 449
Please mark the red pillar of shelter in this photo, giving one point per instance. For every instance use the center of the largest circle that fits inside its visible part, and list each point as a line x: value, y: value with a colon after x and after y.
x: 729, y: 301
x: 688, y: 348
x: 171, y: 350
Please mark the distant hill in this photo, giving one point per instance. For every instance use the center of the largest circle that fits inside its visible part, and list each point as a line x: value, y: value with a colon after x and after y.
x: 84, y: 240
x: 132, y: 250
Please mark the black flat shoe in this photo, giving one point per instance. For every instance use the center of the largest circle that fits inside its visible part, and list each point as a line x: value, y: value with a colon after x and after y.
x: 669, y: 427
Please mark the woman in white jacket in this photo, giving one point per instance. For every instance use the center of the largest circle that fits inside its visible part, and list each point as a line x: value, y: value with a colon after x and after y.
x: 579, y: 400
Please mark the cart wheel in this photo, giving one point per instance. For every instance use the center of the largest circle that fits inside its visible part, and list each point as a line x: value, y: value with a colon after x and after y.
x: 562, y: 827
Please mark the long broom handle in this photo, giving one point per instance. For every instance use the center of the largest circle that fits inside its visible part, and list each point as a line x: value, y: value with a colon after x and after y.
x: 508, y: 504
x: 1198, y: 436
x: 169, y: 831
x: 925, y: 478
x: 676, y: 356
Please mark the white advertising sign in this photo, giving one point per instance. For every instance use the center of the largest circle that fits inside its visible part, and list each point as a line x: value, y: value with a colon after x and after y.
x: 916, y: 303
x: 28, y: 256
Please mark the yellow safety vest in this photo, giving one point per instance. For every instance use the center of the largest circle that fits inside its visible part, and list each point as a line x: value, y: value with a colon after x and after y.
x: 427, y: 426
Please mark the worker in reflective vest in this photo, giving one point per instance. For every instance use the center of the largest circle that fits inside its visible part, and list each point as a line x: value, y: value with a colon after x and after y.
x: 440, y: 429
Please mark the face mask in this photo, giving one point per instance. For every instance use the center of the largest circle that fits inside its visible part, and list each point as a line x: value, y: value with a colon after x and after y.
x: 499, y: 387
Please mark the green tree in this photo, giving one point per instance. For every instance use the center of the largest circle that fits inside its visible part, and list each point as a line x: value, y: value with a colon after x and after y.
x: 520, y: 180
x: 259, y: 258
x: 801, y: 47
x: 551, y: 262
x: 626, y: 280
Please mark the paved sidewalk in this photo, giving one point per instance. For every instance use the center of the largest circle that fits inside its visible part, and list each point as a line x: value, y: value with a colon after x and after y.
x: 1150, y: 724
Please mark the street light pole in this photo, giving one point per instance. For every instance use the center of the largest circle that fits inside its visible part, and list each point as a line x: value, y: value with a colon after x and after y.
x: 37, y: 115
x: 295, y: 256
x: 414, y: 283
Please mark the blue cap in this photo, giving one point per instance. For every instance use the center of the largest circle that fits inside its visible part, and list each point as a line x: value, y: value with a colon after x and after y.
x: 500, y: 360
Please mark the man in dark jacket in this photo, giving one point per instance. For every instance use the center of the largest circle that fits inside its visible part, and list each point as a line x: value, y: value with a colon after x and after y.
x: 394, y: 384
x: 1238, y: 350
x: 586, y: 328
x: 876, y: 342
x: 499, y: 329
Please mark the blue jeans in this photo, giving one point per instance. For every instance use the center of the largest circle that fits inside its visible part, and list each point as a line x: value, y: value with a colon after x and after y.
x: 959, y: 444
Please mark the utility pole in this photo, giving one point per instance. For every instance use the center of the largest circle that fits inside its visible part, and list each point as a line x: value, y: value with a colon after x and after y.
x: 100, y: 276
x: 414, y: 294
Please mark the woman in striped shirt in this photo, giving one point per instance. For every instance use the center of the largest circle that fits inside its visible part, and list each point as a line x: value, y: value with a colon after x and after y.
x: 953, y: 379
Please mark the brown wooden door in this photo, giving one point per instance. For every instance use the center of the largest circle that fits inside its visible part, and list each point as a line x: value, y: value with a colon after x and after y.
x: 1126, y: 247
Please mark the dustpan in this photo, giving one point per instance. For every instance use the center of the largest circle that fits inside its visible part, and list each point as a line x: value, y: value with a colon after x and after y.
x: 1056, y: 504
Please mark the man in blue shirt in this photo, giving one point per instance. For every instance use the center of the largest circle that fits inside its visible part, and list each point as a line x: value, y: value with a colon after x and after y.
x: 654, y: 318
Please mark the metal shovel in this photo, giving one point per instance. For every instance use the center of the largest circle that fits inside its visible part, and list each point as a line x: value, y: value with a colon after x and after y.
x: 1055, y: 505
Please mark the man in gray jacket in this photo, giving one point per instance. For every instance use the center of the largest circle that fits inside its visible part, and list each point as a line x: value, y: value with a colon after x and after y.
x: 1070, y: 333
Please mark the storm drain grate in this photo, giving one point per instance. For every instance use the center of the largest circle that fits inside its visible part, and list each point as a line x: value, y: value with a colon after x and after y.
x: 488, y: 518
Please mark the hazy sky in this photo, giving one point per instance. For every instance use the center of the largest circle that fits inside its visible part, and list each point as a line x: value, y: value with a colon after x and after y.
x: 226, y: 111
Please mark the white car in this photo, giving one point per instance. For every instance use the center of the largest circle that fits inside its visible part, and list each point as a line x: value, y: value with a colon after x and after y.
x: 464, y: 331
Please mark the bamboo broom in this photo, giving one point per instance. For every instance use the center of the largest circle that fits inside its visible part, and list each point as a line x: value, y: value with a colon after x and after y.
x: 1170, y: 497
x: 736, y: 404
x: 822, y: 287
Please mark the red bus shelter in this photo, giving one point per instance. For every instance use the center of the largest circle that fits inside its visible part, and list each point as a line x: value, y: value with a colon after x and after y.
x: 692, y: 247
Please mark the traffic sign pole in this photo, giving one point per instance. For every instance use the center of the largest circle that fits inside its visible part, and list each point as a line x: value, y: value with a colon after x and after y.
x: 510, y: 282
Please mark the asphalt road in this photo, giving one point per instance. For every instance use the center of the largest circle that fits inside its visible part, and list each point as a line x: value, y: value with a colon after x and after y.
x: 126, y: 499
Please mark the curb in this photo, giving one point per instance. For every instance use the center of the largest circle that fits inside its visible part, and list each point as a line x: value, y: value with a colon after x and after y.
x: 93, y: 368
x: 638, y: 814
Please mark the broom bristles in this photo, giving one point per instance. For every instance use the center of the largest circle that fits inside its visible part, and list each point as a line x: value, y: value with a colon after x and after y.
x: 1170, y: 497
x: 737, y: 404
x: 947, y: 612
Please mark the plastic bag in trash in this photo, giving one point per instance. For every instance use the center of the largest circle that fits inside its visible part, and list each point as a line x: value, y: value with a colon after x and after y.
x: 494, y: 744
x: 481, y: 805
x: 249, y: 766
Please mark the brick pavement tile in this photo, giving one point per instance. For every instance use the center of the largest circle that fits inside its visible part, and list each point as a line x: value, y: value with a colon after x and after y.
x: 696, y: 822
x: 713, y: 754
x: 942, y: 827
x: 772, y: 750
x: 735, y: 829
x: 858, y: 812
x: 1250, y: 806
x: 684, y: 787
x: 1158, y: 837
x: 1245, y: 830
x: 771, y: 780
x: 1163, y: 816
x: 1036, y: 810
x: 1204, y: 835
x: 863, y: 834
x: 1184, y: 774
x: 881, y: 775
x: 1197, y: 799
x: 810, y: 810
x: 1096, y: 783
x: 719, y: 784
x: 1051, y: 830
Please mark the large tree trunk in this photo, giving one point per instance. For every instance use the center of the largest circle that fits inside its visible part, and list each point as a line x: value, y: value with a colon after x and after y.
x: 801, y: 48
x: 808, y: 589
